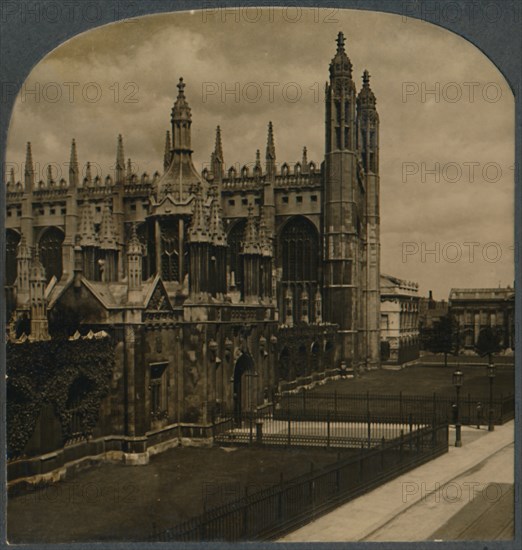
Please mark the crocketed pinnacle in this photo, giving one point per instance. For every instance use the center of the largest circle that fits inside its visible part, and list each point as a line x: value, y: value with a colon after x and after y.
x: 29, y: 168
x: 37, y: 271
x: 218, y: 148
x: 265, y: 241
x: 181, y: 110
x: 108, y: 238
x: 217, y: 231
x: 198, y: 230
x: 251, y: 243
x: 340, y: 64
x: 366, y: 98
x: 87, y: 230
x: 270, y: 145
x: 134, y: 246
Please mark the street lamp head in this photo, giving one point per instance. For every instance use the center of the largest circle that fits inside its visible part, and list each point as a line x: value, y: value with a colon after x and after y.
x: 457, y: 378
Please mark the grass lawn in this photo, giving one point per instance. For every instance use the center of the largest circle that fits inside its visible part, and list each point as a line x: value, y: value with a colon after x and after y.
x: 115, y: 502
x: 425, y: 380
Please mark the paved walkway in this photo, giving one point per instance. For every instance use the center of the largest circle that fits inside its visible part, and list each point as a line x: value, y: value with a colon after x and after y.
x: 426, y: 503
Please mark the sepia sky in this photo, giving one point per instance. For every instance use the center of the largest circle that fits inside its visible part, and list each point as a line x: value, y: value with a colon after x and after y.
x: 447, y: 158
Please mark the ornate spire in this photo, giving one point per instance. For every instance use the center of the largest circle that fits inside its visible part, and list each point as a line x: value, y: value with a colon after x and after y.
x: 366, y: 98
x: 108, y: 238
x: 50, y: 180
x: 74, y: 169
x: 29, y: 169
x: 87, y: 182
x: 217, y: 231
x: 265, y: 241
x: 216, y: 158
x: 270, y: 146
x: 129, y: 169
x: 181, y: 110
x: 340, y: 43
x: 181, y: 174
x: 258, y: 170
x: 22, y: 249
x: 340, y: 64
x: 168, y: 154
x: 251, y: 243
x: 120, y: 160
x: 304, y: 162
x: 134, y: 245
x: 86, y: 227
x: 37, y: 272
x: 218, y: 148
x: 198, y: 230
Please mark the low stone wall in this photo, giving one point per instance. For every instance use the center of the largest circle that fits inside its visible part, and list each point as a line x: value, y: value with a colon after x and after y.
x: 57, y: 465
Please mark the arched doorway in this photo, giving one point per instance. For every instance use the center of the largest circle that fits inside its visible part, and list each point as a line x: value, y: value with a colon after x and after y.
x: 241, y: 393
x: 50, y: 246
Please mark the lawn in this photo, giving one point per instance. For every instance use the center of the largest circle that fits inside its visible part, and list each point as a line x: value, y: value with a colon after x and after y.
x: 115, y: 502
x: 425, y: 380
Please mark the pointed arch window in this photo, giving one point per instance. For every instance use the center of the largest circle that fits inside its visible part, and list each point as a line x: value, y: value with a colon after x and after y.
x: 299, y: 251
x: 169, y: 250
x: 50, y: 247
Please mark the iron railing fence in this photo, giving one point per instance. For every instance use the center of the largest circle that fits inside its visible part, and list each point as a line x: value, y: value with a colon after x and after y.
x: 270, y: 427
x: 356, y: 407
x: 272, y: 512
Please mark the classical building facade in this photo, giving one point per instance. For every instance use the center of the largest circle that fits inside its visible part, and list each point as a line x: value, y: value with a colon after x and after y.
x: 217, y: 287
x: 399, y: 320
x: 478, y: 308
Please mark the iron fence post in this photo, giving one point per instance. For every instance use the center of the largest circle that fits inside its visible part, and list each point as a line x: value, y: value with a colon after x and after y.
x: 328, y: 429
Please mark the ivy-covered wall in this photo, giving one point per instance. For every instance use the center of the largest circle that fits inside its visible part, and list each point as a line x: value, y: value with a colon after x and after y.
x: 72, y: 376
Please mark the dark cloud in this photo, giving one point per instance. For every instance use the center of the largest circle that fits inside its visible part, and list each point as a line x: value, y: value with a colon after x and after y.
x: 142, y: 60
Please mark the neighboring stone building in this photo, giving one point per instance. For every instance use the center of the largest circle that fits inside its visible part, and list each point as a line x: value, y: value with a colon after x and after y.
x: 399, y: 320
x: 477, y: 308
x: 431, y: 311
x: 216, y: 287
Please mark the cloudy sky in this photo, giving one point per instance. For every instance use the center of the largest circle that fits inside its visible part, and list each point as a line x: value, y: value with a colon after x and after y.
x: 446, y: 157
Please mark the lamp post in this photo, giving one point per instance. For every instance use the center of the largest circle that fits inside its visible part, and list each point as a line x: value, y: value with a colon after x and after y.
x: 491, y: 376
x: 457, y: 382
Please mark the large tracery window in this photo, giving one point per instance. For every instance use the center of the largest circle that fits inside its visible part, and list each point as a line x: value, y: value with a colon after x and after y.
x: 235, y: 237
x: 50, y: 246
x: 170, y: 250
x: 12, y: 239
x: 299, y: 251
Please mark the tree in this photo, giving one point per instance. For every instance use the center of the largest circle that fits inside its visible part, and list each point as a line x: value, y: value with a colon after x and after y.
x: 488, y: 342
x: 443, y: 337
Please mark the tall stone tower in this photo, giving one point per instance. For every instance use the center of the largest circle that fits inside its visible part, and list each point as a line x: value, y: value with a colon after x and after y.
x: 368, y: 126
x: 350, y: 211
